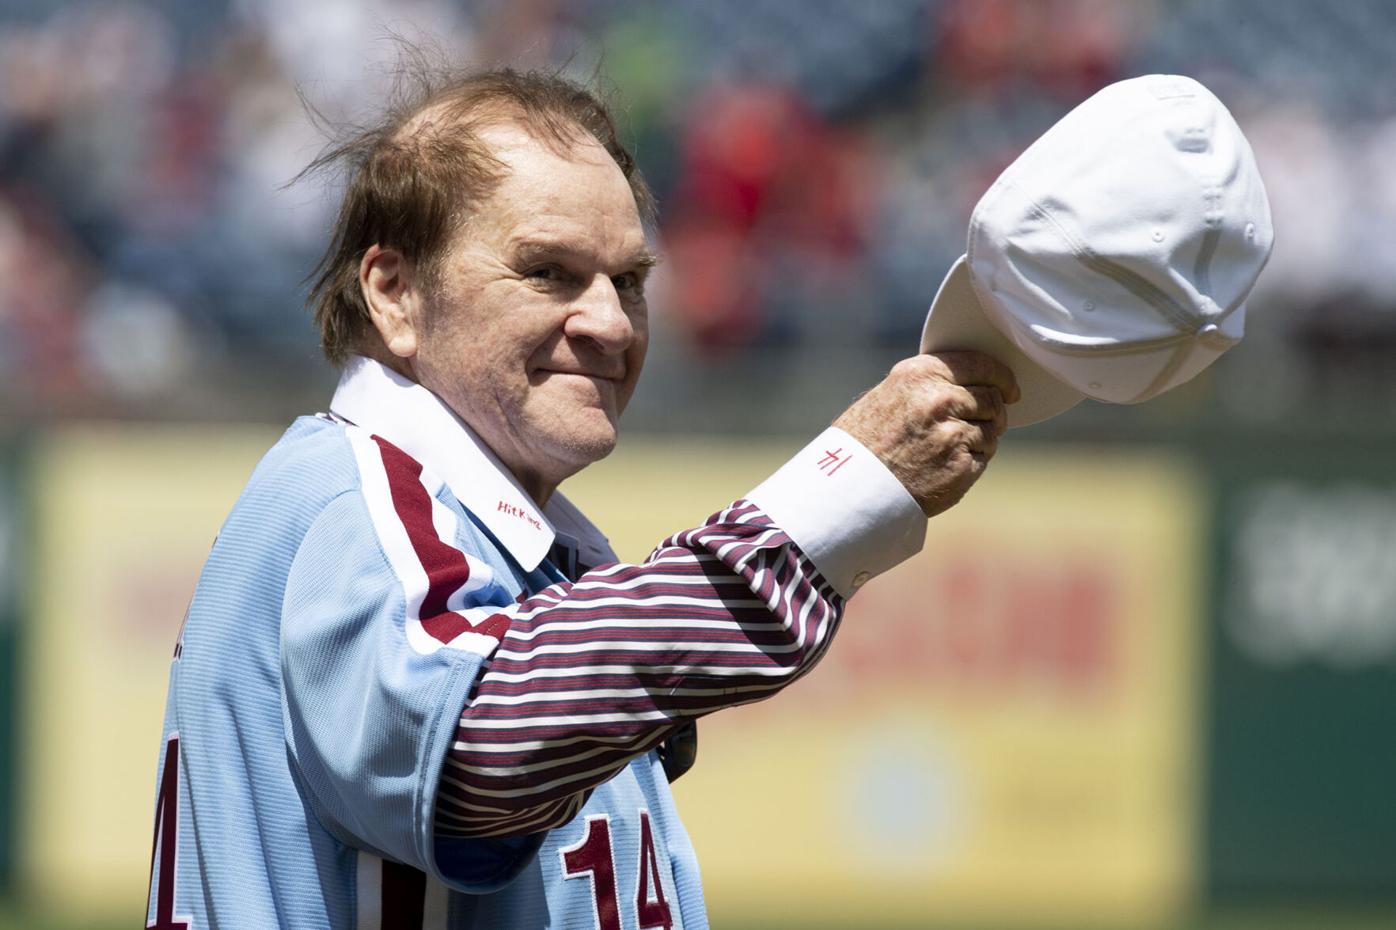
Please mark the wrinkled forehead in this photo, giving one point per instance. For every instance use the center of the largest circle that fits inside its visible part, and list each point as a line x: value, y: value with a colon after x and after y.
x: 575, y: 191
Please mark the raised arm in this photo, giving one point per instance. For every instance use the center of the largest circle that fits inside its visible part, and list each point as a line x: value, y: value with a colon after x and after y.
x: 590, y: 674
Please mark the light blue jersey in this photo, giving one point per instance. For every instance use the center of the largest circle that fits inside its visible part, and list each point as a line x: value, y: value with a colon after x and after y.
x: 406, y: 696
x: 305, y: 735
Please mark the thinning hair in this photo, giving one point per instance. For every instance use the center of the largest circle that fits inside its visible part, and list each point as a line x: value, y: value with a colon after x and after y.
x: 413, y: 176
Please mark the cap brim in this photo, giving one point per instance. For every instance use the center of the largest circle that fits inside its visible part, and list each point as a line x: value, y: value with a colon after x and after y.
x: 956, y: 322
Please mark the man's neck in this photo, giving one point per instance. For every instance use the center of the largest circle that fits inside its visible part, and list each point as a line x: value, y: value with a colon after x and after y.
x: 541, y: 491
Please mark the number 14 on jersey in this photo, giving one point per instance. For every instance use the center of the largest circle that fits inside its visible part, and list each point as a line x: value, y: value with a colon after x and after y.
x: 592, y: 857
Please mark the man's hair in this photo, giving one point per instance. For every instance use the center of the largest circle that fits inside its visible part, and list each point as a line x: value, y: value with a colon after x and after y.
x: 414, y: 176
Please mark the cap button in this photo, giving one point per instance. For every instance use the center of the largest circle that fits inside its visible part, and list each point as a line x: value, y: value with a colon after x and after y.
x: 1210, y: 334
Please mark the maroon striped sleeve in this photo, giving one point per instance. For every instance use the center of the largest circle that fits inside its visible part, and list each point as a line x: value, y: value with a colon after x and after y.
x: 592, y: 673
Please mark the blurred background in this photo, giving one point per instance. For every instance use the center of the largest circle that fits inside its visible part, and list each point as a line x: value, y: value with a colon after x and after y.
x: 1149, y: 675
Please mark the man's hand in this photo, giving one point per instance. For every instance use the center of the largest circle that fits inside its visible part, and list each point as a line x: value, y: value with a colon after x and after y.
x: 935, y: 422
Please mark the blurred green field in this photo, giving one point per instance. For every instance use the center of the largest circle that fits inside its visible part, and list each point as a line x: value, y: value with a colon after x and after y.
x: 1307, y: 918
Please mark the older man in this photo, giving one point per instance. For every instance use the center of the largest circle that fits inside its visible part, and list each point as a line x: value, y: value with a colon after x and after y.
x: 414, y: 687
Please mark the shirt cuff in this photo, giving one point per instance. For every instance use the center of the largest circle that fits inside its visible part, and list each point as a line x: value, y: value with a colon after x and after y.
x: 849, y: 515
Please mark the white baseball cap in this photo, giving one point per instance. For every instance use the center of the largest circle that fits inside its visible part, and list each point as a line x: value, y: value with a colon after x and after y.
x: 1113, y: 258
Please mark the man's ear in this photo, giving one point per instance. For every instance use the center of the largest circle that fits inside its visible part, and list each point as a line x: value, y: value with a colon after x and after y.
x: 394, y: 303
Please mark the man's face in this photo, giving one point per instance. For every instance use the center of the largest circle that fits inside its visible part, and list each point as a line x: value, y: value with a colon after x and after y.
x: 536, y: 331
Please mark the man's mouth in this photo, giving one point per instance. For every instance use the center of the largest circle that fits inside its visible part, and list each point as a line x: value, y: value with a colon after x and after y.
x: 593, y: 375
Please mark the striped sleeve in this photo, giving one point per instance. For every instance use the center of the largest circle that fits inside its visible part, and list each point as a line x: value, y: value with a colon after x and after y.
x: 590, y: 674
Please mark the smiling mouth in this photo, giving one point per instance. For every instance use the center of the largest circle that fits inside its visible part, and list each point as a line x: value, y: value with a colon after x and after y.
x: 589, y: 375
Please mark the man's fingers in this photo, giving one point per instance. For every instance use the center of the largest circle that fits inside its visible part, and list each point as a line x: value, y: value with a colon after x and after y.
x: 981, y: 438
x: 973, y: 404
x: 977, y: 436
x: 977, y: 403
x: 975, y: 368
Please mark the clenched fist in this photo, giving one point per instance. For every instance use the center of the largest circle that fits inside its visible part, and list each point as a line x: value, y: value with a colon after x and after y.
x: 935, y: 422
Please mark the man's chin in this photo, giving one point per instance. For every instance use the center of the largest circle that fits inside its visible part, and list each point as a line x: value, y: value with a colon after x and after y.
x: 589, y: 437
x: 596, y: 447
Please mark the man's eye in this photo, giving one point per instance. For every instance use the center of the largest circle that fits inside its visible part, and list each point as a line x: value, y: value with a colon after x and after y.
x: 627, y: 283
x: 544, y: 273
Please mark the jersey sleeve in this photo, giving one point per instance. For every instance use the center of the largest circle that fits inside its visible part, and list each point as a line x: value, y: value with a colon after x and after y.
x: 590, y: 674
x: 378, y: 655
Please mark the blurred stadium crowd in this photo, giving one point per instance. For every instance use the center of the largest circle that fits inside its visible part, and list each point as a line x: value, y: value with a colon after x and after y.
x: 816, y: 164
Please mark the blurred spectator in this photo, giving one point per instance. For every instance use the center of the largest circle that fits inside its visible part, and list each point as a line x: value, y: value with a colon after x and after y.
x: 1068, y: 48
x: 770, y: 206
x: 42, y: 280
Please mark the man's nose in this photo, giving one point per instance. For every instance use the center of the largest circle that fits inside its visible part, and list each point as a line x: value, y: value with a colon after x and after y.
x: 599, y: 315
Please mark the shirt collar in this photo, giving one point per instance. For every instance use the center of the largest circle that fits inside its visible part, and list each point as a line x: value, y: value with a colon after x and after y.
x: 409, y: 416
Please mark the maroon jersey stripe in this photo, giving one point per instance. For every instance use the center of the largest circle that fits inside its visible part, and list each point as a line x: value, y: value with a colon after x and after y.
x: 404, y: 896
x: 446, y: 566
